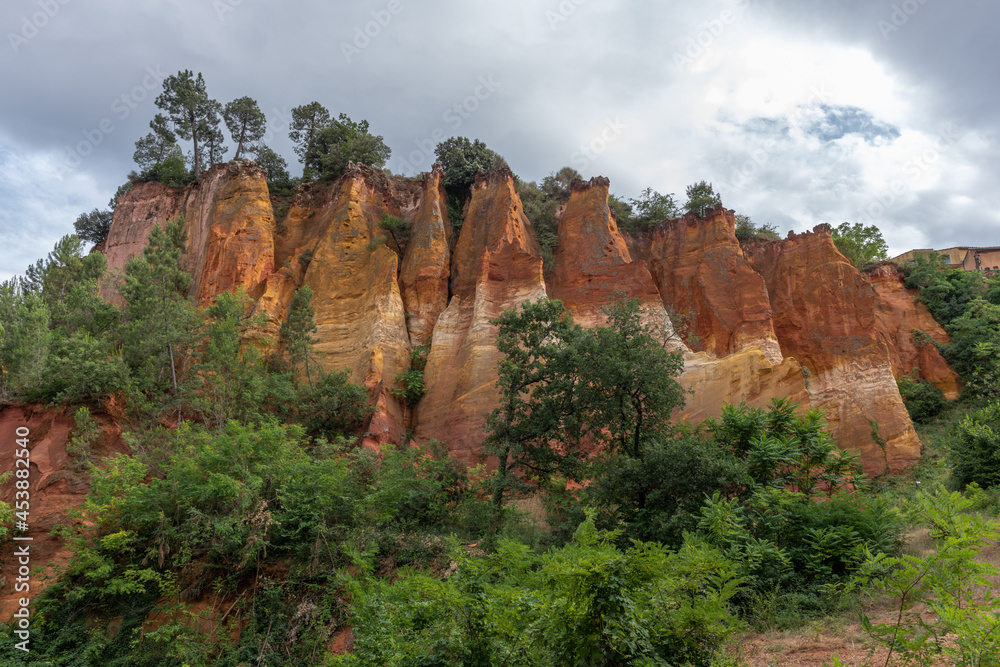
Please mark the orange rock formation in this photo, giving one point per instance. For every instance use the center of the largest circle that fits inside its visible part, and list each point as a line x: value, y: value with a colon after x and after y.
x: 702, y: 274
x: 497, y: 265
x: 898, y: 314
x: 824, y: 316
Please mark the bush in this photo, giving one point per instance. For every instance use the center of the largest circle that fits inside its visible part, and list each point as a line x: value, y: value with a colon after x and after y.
x: 922, y: 400
x: 975, y: 452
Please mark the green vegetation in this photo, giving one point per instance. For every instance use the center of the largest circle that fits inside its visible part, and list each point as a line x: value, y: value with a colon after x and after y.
x: 246, y: 123
x: 462, y: 160
x: 748, y: 232
x: 860, y: 244
x: 194, y: 115
x: 700, y: 197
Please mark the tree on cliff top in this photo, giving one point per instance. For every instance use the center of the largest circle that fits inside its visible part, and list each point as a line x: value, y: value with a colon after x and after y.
x: 462, y: 159
x: 94, y: 226
x: 187, y: 105
x: 246, y: 123
x: 308, y: 121
x: 701, y: 196
x: 860, y: 244
x: 343, y: 141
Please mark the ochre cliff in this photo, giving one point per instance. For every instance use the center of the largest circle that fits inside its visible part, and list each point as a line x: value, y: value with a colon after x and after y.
x: 497, y: 264
x: 787, y: 319
x: 703, y: 276
x: 54, y: 487
x: 229, y: 225
x: 824, y: 317
x: 898, y: 314
x: 426, y: 267
x: 592, y: 263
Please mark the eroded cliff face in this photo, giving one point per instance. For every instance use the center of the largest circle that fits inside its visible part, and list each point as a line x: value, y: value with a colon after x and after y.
x: 898, y: 314
x: 789, y: 319
x: 497, y: 265
x: 593, y: 264
x: 55, y: 489
x: 824, y: 317
x: 702, y: 275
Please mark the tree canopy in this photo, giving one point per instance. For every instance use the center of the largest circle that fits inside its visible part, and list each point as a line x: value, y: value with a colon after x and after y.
x: 860, y: 244
x: 246, y: 123
x: 187, y: 105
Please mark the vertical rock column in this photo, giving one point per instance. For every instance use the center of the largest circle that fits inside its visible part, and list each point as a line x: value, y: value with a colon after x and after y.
x: 496, y: 265
x: 701, y: 273
x: 424, y: 274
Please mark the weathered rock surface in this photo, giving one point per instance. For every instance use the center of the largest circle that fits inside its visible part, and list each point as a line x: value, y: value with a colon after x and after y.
x: 496, y: 265
x: 54, y: 489
x: 361, y: 324
x: 592, y: 263
x: 898, y: 314
x: 229, y: 225
x: 702, y: 274
x: 426, y: 267
x: 824, y: 317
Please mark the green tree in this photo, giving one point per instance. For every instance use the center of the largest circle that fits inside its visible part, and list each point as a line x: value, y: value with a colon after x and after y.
x: 157, y: 146
x: 975, y: 452
x: 651, y: 208
x: 629, y: 380
x: 343, y: 141
x: 860, y: 244
x: 93, y: 227
x: 297, y: 331
x: 186, y: 104
x: 462, y: 160
x: 538, y: 385
x: 159, y: 323
x: 275, y: 165
x: 701, y: 196
x: 246, y: 123
x: 746, y: 231
x: 308, y: 121
x: 212, y: 135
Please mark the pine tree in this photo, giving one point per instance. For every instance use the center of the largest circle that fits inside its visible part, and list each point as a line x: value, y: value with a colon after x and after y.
x: 187, y: 105
x: 297, y: 331
x: 246, y: 123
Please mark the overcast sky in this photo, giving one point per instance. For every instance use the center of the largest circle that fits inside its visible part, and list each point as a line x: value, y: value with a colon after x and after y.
x: 798, y: 111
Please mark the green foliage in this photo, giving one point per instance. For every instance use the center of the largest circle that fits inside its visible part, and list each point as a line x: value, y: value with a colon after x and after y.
x: 187, y: 106
x: 652, y: 208
x: 700, y: 197
x: 538, y: 386
x: 462, y: 160
x: 308, y: 121
x: 860, y: 244
x: 944, y: 607
x: 748, y: 232
x: 93, y: 227
x: 539, y: 209
x: 411, y: 383
x: 297, y: 331
x: 342, y: 141
x: 334, y: 407
x: 587, y: 603
x: 246, y: 123
x: 628, y: 385
x: 153, y: 150
x: 86, y: 431
x: 923, y: 400
x: 278, y: 179
x: 398, y: 229
x: 975, y: 451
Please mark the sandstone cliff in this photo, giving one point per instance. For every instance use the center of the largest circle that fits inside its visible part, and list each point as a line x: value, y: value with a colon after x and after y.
x: 702, y: 275
x: 497, y: 265
x: 787, y: 319
x: 898, y: 314
x: 824, y: 317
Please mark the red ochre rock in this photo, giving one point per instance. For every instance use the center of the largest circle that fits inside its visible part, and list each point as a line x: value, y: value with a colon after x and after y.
x: 496, y: 265
x: 703, y: 275
x: 824, y: 316
x: 898, y: 313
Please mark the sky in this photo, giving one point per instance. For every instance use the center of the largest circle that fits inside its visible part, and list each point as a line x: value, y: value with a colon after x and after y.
x: 798, y: 112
